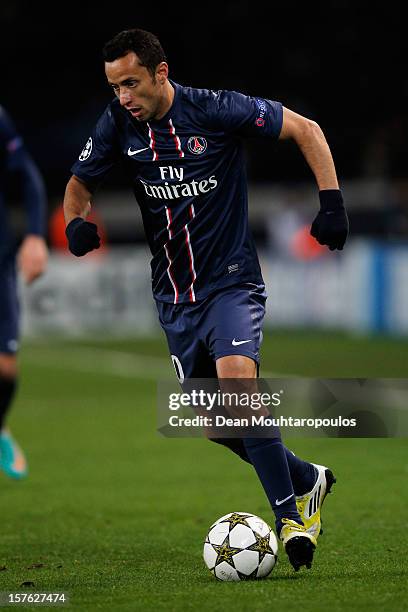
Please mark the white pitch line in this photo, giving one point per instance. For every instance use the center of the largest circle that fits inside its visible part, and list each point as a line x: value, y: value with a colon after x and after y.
x: 101, y: 361
x: 97, y: 360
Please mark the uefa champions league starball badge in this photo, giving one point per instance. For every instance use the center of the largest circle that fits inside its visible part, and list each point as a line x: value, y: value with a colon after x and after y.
x: 86, y: 151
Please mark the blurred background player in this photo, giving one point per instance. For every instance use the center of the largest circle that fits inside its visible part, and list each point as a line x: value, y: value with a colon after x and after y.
x: 183, y: 149
x: 29, y: 256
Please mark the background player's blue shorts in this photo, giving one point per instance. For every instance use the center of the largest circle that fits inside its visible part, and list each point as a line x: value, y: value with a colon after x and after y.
x: 228, y: 322
x: 9, y: 307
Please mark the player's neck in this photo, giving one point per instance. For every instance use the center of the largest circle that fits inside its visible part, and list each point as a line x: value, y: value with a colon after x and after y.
x: 167, y: 100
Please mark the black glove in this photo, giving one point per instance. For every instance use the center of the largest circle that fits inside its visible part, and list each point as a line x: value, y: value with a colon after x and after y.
x: 82, y: 236
x: 331, y: 225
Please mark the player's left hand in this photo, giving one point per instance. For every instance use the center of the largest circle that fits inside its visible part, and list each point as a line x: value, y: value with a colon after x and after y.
x: 32, y: 257
x: 331, y: 225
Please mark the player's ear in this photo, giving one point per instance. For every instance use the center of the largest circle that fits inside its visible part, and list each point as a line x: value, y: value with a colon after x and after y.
x: 162, y: 72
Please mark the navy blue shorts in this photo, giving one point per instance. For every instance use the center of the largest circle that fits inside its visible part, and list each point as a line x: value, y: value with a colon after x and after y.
x: 9, y: 307
x: 228, y: 322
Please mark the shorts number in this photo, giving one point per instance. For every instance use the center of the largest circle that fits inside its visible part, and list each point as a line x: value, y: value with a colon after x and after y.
x: 179, y: 368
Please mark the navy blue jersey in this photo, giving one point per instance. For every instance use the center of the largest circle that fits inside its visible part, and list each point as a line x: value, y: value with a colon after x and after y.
x: 14, y: 159
x: 188, y: 175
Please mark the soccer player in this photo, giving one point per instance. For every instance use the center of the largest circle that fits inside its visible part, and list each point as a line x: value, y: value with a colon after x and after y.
x: 183, y: 151
x: 31, y: 259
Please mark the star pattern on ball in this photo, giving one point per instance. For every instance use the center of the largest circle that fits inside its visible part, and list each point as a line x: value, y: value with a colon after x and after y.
x: 236, y: 519
x: 225, y: 552
x: 262, y: 546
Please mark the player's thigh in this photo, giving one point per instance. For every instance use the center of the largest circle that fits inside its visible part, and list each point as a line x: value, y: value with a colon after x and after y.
x: 188, y: 353
x: 234, y: 325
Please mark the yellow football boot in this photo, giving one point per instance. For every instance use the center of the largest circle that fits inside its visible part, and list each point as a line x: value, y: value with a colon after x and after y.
x: 298, y: 543
x: 310, y: 504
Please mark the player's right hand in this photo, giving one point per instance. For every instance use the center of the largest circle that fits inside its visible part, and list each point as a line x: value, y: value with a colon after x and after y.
x: 82, y: 236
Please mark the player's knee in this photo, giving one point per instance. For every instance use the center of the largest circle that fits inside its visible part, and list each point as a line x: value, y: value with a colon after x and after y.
x: 8, y: 366
x: 237, y: 377
x: 236, y: 366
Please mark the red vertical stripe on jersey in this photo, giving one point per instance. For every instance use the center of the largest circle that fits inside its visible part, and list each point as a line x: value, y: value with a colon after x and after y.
x: 191, y: 256
x: 152, y: 143
x: 176, y: 138
x: 169, y: 220
x: 169, y: 272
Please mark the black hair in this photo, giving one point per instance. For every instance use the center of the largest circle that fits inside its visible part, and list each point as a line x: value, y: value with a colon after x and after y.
x: 145, y: 44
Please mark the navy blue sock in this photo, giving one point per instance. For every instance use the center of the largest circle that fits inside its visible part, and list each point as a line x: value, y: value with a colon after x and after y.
x: 269, y: 460
x: 7, y: 390
x: 234, y: 444
x: 302, y: 473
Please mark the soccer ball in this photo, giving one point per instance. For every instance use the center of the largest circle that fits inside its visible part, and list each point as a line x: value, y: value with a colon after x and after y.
x: 240, y: 546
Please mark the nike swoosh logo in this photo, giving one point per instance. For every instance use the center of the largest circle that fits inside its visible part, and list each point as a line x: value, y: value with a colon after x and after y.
x: 130, y: 152
x: 238, y: 342
x: 279, y: 502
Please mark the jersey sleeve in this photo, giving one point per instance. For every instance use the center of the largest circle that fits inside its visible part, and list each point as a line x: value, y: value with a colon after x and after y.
x: 10, y: 140
x: 18, y: 162
x: 245, y: 115
x: 100, y: 153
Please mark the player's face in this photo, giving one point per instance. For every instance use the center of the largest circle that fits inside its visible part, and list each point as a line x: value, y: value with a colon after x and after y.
x: 144, y: 96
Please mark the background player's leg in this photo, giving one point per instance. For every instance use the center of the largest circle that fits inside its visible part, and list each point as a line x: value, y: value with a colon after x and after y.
x: 8, y: 384
x: 12, y: 460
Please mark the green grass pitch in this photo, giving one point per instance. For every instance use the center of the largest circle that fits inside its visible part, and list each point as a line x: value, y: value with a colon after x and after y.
x: 115, y: 515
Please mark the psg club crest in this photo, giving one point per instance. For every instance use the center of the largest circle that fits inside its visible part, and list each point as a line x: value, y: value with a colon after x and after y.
x: 86, y: 151
x: 197, y: 144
